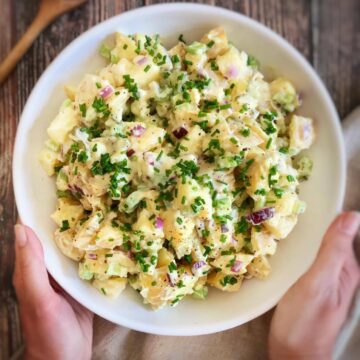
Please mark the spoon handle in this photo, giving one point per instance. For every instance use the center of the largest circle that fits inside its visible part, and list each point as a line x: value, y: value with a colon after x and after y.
x: 39, y: 23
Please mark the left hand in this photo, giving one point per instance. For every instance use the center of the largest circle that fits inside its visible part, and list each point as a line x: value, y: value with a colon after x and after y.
x: 55, y: 326
x: 309, y: 317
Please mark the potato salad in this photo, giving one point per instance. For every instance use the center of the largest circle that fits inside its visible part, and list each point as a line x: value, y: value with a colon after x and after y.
x: 176, y: 169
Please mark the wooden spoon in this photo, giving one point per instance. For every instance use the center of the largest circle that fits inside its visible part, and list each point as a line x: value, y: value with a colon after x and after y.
x: 48, y: 11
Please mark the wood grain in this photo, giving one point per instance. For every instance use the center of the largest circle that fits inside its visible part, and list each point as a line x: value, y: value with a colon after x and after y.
x: 326, y: 32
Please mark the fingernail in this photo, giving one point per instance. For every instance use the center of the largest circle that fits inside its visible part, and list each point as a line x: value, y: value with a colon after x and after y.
x: 20, y: 235
x: 349, y: 223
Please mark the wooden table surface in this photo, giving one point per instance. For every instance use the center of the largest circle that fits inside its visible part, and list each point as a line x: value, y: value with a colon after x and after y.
x: 326, y: 32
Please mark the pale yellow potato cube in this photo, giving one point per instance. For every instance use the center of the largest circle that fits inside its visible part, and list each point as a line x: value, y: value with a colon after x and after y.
x: 179, y: 234
x: 110, y: 287
x: 224, y: 282
x: 281, y: 226
x: 165, y: 257
x: 259, y: 268
x: 63, y: 124
x: 263, y: 243
x: 69, y: 210
x: 218, y: 36
x: 301, y: 132
x: 48, y: 160
x: 64, y: 241
x: 193, y: 141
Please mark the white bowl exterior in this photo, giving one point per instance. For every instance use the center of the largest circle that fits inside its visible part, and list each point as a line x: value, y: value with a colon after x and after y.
x: 35, y: 192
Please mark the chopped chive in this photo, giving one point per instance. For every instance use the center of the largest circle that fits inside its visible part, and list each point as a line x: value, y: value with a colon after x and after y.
x: 268, y: 144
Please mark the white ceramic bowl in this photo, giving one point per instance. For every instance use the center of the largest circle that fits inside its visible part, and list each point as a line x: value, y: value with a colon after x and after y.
x: 35, y: 192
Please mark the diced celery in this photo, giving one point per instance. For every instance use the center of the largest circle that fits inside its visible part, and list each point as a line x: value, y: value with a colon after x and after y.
x: 84, y: 272
x: 304, y: 167
x: 105, y: 51
x: 196, y: 48
x: 299, y: 207
x: 201, y: 293
x: 65, y: 104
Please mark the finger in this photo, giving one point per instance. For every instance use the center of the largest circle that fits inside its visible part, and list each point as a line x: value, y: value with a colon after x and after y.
x: 337, y: 243
x: 346, y: 226
x: 31, y: 279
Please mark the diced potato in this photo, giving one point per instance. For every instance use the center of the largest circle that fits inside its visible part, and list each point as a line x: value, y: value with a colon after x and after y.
x: 260, y: 90
x: 302, y: 134
x: 179, y: 50
x: 233, y: 65
x: 165, y: 257
x: 286, y: 204
x: 156, y: 288
x: 124, y: 48
x: 119, y: 264
x: 281, y: 226
x: 233, y: 264
x: 192, y: 196
x: 180, y: 234
x: 259, y: 268
x: 245, y: 137
x: 140, y: 77
x: 151, y: 138
x: 109, y: 235
x: 70, y: 92
x: 193, y: 141
x: 64, y: 241
x: 258, y: 173
x: 185, y: 114
x: 147, y: 225
x: 284, y: 94
x: 263, y: 243
x: 195, y: 62
x: 87, y: 90
x: 218, y: 36
x: 117, y: 104
x: 224, y: 282
x: 67, y: 210
x: 85, y: 236
x: 110, y: 287
x: 48, y: 160
x: 63, y: 124
x: 94, y: 265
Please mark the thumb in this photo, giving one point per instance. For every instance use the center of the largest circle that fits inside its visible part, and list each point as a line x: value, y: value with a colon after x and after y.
x: 31, y: 279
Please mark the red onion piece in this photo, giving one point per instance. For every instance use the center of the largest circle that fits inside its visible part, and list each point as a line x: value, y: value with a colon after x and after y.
x: 143, y: 60
x: 232, y: 71
x: 180, y: 132
x: 233, y: 240
x: 150, y: 158
x: 106, y: 91
x: 198, y: 265
x: 237, y: 266
x: 130, y: 152
x: 224, y: 228
x: 170, y: 280
x: 159, y: 223
x: 306, y: 131
x: 137, y: 130
x: 260, y: 216
x: 92, y: 256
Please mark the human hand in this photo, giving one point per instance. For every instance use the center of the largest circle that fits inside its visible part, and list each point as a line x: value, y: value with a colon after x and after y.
x: 309, y: 317
x: 54, y: 325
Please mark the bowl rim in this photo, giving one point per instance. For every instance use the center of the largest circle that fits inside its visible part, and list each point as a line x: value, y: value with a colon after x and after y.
x: 114, y: 21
